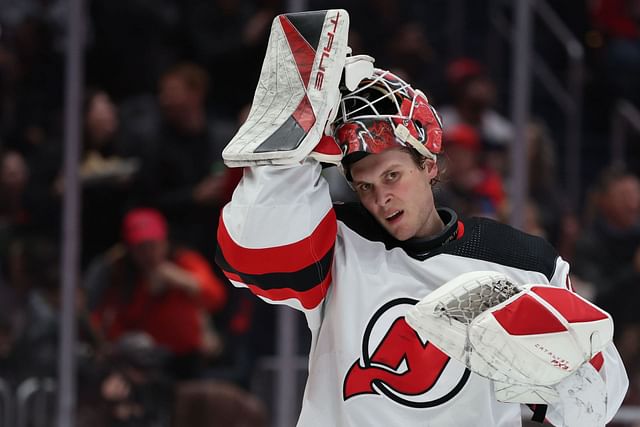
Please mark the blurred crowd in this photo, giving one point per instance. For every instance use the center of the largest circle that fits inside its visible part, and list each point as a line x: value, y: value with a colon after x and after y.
x: 163, y: 337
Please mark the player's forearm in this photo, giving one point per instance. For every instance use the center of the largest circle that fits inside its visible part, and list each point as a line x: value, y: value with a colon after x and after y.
x: 277, y: 234
x: 276, y: 205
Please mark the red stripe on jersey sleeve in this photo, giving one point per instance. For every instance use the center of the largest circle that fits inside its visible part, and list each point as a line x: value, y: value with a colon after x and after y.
x: 281, y: 259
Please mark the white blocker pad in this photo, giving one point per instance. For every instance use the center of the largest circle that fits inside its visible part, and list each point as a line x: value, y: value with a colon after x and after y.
x: 521, y: 335
x: 297, y: 89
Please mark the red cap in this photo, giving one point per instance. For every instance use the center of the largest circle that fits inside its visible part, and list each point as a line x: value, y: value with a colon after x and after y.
x: 464, y: 136
x: 463, y: 68
x: 143, y: 224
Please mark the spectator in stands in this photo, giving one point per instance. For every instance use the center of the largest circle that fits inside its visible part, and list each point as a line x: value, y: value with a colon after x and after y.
x: 474, y: 97
x: 36, y: 102
x: 471, y: 188
x: 217, y: 404
x: 134, y: 389
x: 607, y: 254
x: 13, y: 291
x: 558, y: 220
x: 7, y: 75
x: 607, y: 257
x: 18, y: 267
x: 35, y: 273
x: 106, y: 175
x: 23, y: 205
x: 241, y: 31
x: 619, y: 23
x: 409, y: 50
x: 14, y: 177
x: 183, y: 175
x: 150, y: 286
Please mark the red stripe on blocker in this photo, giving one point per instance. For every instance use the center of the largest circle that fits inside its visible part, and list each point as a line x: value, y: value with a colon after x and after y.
x: 526, y: 316
x: 302, y: 51
x: 304, y: 114
x: 309, y: 298
x: 572, y: 307
x: 280, y: 259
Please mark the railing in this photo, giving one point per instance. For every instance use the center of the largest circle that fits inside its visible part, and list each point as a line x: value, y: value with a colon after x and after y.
x: 31, y: 404
x: 34, y: 400
x: 625, y: 117
x: 567, y: 95
x: 6, y: 404
x: 35, y: 404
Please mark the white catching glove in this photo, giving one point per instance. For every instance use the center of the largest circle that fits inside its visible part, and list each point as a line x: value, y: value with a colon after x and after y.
x: 526, y: 338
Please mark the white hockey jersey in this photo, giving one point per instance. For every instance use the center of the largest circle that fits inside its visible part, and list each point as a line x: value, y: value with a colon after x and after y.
x: 281, y: 237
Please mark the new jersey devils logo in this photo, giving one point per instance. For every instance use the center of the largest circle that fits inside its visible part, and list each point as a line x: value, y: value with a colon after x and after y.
x: 396, y: 363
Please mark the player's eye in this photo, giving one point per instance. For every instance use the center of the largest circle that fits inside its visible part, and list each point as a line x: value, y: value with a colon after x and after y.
x: 392, y: 176
x: 364, y: 187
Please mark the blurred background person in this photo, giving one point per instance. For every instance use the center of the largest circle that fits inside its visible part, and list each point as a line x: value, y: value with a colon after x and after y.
x: 557, y: 220
x: 607, y: 262
x: 182, y: 173
x: 148, y: 285
x: 473, y: 102
x: 469, y: 186
x: 606, y: 250
x: 106, y: 174
x: 618, y: 22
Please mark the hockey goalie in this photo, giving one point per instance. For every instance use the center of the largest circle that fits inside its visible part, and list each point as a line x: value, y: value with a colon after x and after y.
x: 495, y: 325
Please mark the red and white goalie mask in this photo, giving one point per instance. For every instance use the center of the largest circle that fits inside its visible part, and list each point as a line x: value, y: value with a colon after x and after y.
x: 384, y: 112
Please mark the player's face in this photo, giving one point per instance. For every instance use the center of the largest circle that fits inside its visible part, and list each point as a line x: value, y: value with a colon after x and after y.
x: 398, y: 193
x: 148, y: 255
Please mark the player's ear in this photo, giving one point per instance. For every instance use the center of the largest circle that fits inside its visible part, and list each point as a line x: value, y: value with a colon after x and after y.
x: 431, y: 169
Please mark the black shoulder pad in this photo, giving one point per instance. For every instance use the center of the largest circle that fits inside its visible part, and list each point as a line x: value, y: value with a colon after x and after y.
x: 488, y: 240
x: 358, y: 219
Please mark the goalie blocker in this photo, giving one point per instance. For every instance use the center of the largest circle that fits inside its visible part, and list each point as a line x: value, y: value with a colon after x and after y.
x: 297, y: 91
x: 526, y: 338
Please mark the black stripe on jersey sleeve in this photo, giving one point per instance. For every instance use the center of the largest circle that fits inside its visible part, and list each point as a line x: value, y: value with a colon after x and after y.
x: 301, y: 280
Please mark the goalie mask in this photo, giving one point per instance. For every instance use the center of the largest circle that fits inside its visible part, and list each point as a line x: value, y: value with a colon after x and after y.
x: 385, y: 112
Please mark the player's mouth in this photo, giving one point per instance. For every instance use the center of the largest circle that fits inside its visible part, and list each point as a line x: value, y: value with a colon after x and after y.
x: 394, y: 216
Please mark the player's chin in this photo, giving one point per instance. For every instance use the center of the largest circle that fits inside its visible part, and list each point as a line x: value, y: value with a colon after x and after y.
x: 399, y: 232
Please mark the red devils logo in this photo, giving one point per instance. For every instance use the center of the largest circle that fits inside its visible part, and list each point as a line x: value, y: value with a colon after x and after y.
x: 401, y: 366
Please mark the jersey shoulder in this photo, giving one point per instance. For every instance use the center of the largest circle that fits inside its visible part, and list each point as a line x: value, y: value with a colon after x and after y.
x: 359, y: 220
x: 483, y: 239
x: 488, y: 240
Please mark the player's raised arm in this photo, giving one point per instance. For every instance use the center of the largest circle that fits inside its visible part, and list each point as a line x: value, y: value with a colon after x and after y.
x: 277, y: 235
